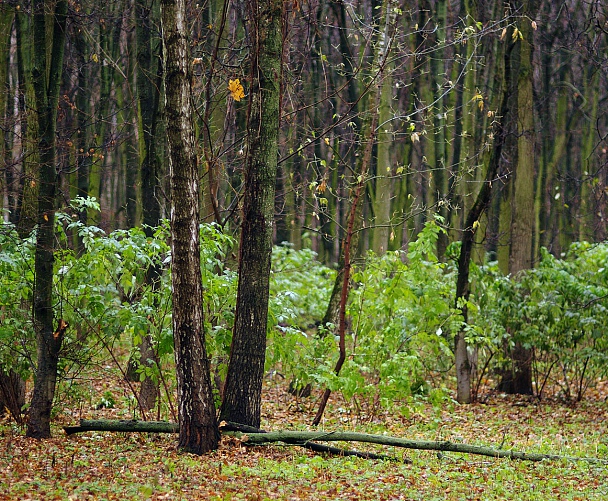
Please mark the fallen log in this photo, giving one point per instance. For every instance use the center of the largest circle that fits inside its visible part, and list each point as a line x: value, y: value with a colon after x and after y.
x: 233, y: 429
x: 308, y: 439
x: 129, y: 426
x: 440, y: 446
x: 122, y: 425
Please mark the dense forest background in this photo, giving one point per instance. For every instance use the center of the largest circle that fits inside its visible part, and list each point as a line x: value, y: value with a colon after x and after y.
x: 441, y: 82
x: 464, y: 143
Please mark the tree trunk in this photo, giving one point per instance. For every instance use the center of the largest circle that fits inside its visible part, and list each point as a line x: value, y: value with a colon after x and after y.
x: 242, y: 397
x: 523, y: 215
x: 198, y: 430
x: 482, y: 202
x: 7, y: 185
x: 47, y: 79
x: 12, y: 393
x: 148, y: 95
x: 83, y: 138
x: 26, y: 183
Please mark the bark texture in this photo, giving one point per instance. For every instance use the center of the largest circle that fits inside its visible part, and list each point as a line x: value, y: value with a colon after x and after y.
x: 198, y: 430
x: 243, y: 390
x: 148, y: 95
x: 48, y: 64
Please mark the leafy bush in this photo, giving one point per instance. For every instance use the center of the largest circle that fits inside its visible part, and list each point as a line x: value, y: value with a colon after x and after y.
x: 401, y: 311
x: 400, y: 314
x: 557, y: 309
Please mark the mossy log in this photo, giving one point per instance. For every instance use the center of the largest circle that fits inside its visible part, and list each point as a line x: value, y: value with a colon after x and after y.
x: 440, y: 446
x: 308, y: 439
x: 128, y: 426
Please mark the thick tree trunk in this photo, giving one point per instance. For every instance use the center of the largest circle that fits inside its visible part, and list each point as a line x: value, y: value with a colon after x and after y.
x: 198, y: 431
x: 522, y: 225
x: 482, y: 202
x: 242, y: 394
x: 47, y: 79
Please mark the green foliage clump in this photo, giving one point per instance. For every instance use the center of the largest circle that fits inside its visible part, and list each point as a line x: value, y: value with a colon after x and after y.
x: 558, y: 310
x: 105, y: 296
x: 401, y: 316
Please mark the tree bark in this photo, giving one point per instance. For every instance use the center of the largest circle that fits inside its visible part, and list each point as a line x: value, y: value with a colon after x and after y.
x: 46, y: 76
x: 148, y: 96
x: 523, y: 214
x: 243, y: 390
x: 198, y: 431
x: 12, y: 393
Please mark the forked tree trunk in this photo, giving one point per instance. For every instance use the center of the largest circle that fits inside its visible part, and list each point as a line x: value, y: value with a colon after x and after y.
x: 198, y: 430
x: 47, y: 79
x: 243, y: 390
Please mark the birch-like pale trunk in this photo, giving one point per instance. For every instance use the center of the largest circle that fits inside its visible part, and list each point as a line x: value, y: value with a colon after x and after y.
x: 198, y: 429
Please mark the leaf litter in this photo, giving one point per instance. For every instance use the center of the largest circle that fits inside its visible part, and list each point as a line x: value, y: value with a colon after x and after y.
x: 122, y: 466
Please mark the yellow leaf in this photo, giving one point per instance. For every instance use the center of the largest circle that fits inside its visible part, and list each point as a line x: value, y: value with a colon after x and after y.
x: 236, y: 89
x: 46, y: 218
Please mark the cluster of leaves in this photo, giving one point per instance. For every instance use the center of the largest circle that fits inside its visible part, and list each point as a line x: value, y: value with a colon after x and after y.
x: 400, y: 313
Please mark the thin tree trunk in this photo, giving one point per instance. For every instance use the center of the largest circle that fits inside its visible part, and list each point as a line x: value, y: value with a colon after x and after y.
x: 242, y: 394
x: 6, y: 22
x: 83, y: 119
x: 26, y: 184
x: 12, y: 393
x: 198, y: 430
x: 148, y: 94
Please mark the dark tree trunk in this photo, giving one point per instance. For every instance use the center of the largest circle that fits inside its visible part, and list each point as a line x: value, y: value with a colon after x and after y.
x: 12, y: 393
x: 46, y: 78
x: 482, y: 202
x: 198, y: 429
x: 243, y: 390
x: 521, y: 150
x: 148, y: 94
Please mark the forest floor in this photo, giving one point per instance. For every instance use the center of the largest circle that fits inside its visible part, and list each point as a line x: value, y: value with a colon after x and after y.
x: 119, y: 466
